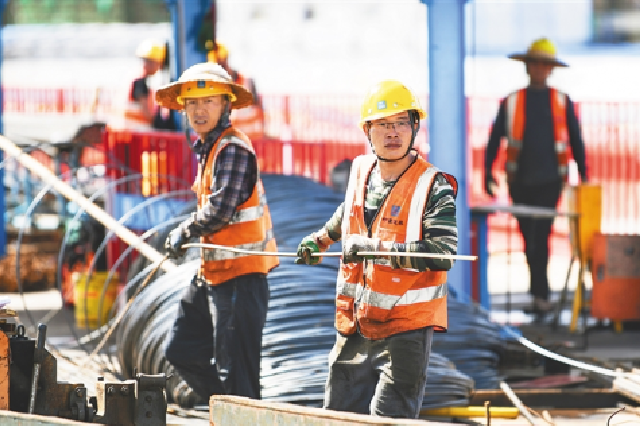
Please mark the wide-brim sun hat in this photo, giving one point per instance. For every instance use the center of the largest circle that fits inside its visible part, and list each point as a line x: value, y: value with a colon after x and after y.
x: 169, y: 95
x: 541, y: 50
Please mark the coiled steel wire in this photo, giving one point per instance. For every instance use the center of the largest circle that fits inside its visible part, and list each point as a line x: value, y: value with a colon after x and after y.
x: 472, y: 342
x: 299, y: 331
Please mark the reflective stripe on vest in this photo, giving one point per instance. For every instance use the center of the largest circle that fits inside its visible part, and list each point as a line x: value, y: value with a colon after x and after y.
x: 385, y: 301
x: 226, y: 255
x: 516, y: 122
x: 389, y: 301
x: 250, y: 227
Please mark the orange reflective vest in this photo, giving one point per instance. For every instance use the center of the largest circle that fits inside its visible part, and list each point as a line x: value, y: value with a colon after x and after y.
x: 384, y: 301
x: 249, y: 229
x: 134, y: 118
x: 249, y: 119
x: 516, y: 121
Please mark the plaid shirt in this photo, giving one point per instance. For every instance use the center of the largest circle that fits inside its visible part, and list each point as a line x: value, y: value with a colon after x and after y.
x: 439, y: 228
x: 234, y: 177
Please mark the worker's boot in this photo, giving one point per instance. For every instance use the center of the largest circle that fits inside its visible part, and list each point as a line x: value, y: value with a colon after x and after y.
x: 539, y: 308
x: 185, y: 396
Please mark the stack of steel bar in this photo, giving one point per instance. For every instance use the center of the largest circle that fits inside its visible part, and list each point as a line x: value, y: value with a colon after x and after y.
x: 299, y: 332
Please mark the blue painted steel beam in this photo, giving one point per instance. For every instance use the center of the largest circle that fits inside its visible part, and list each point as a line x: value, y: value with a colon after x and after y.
x: 186, y: 18
x: 3, y: 223
x: 448, y: 118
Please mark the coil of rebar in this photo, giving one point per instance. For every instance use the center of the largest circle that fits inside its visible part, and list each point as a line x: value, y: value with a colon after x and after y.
x: 299, y: 332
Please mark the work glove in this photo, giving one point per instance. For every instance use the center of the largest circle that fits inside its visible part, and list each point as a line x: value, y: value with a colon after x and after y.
x: 355, y: 243
x: 307, y: 246
x: 174, y: 242
x: 489, y: 184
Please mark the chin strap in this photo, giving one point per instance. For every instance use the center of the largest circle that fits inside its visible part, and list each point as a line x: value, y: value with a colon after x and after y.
x: 414, y: 119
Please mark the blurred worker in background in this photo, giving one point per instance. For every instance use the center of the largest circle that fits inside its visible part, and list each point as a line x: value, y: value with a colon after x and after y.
x: 540, y: 125
x: 388, y: 307
x: 250, y: 120
x: 219, y: 54
x: 217, y: 337
x: 141, y: 112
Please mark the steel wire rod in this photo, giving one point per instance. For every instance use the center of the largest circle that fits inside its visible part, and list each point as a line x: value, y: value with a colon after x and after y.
x: 327, y: 254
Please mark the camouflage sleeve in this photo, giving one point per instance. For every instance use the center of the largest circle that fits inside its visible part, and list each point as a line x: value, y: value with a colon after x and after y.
x: 334, y: 225
x: 439, y: 229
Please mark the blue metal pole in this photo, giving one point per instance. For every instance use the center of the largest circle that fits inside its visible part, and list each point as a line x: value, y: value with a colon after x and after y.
x: 3, y: 223
x: 186, y: 18
x: 448, y: 118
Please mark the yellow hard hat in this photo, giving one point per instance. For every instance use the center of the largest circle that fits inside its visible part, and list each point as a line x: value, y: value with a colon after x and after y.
x: 542, y: 50
x: 220, y: 53
x: 387, y: 98
x: 152, y: 50
x: 202, y: 80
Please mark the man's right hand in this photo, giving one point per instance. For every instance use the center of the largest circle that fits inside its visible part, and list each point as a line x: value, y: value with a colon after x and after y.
x: 174, y: 242
x: 490, y: 184
x: 307, y: 246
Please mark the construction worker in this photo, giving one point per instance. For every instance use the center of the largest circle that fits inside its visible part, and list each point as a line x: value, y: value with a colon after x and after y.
x: 220, y: 55
x: 249, y: 120
x: 217, y: 337
x: 540, y: 125
x: 388, y: 307
x: 141, y: 112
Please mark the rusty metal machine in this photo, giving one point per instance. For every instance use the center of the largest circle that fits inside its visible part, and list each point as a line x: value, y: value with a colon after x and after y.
x: 29, y: 384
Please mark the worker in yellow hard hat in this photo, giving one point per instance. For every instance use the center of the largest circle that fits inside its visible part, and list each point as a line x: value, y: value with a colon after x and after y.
x: 141, y: 112
x: 217, y: 337
x: 388, y: 306
x: 541, y: 128
x: 219, y: 54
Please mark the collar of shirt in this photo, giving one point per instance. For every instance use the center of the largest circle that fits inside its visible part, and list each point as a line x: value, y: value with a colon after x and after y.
x: 203, y: 147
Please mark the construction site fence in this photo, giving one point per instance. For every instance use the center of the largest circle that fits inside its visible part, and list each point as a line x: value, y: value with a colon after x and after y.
x: 308, y: 135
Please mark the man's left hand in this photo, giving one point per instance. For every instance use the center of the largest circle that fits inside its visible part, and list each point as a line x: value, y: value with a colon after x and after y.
x: 357, y: 243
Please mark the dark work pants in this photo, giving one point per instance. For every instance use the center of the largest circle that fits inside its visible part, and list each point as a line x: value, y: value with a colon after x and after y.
x: 536, y: 231
x: 217, y: 337
x: 384, y: 377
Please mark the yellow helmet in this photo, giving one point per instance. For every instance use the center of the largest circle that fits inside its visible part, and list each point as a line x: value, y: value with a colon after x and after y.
x: 152, y: 50
x: 220, y: 53
x: 541, y: 49
x: 387, y: 98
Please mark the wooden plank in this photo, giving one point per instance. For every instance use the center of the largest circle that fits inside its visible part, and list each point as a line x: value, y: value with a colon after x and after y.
x: 13, y: 418
x: 628, y: 387
x: 550, y: 382
x: 554, y: 398
x: 227, y: 410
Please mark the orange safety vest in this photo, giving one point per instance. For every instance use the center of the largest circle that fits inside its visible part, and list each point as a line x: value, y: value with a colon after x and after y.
x: 249, y: 229
x: 134, y: 119
x: 384, y: 301
x: 249, y: 119
x: 516, y: 121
